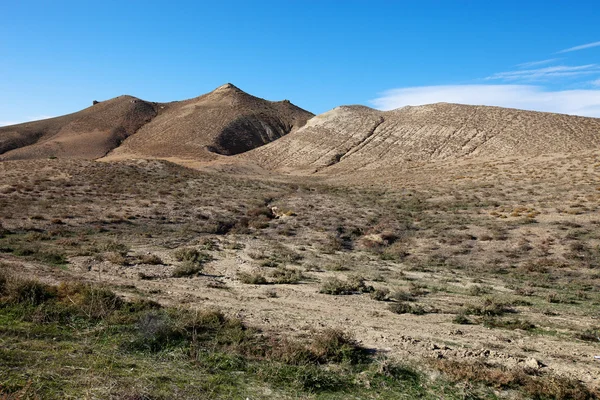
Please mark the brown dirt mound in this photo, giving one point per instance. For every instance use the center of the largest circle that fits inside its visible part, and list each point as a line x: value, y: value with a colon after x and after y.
x: 225, y: 121
x: 351, y: 138
x: 87, y: 134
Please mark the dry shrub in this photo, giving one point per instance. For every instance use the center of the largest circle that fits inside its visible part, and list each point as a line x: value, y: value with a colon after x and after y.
x: 490, y: 307
x: 287, y: 275
x: 336, y: 286
x: 115, y: 258
x: 406, y: 308
x: 541, y: 386
x: 151, y: 259
x: 254, y: 278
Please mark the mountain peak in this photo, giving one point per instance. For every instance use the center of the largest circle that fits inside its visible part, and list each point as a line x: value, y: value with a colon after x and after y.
x: 228, y: 87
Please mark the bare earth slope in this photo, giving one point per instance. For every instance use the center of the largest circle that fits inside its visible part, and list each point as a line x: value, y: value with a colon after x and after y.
x: 86, y: 134
x: 225, y: 121
x: 351, y: 138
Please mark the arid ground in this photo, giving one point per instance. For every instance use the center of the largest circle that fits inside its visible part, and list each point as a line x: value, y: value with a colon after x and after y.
x: 493, y: 264
x: 441, y: 251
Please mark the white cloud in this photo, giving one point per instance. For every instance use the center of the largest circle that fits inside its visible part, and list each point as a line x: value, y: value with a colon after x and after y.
x: 7, y: 123
x: 559, y: 71
x: 537, y: 63
x: 580, y: 47
x: 596, y: 82
x: 27, y: 119
x: 527, y: 97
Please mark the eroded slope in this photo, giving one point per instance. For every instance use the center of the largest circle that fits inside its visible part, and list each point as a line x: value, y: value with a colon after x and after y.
x: 225, y: 121
x: 346, y: 139
x: 87, y: 134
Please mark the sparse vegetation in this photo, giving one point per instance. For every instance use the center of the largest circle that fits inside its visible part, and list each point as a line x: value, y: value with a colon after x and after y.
x: 452, y: 248
x: 199, y: 351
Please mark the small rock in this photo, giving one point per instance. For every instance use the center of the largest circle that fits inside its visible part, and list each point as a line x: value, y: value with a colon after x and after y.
x: 533, y: 363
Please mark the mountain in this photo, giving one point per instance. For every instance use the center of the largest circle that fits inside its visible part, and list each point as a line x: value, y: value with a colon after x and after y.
x: 87, y: 134
x: 225, y: 121
x: 350, y: 138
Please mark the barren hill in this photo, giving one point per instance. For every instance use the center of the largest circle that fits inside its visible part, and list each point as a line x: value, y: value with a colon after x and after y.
x: 89, y: 133
x: 225, y: 121
x: 349, y: 138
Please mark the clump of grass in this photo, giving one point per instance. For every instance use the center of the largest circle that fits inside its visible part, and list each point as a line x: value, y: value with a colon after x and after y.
x: 380, y: 294
x: 490, y: 307
x: 114, y: 247
x: 151, y: 259
x: 536, y: 387
x: 287, y: 275
x: 334, y: 345
x: 477, y: 290
x: 328, y: 346
x: 269, y: 264
x: 461, y: 319
x: 491, y: 322
x: 187, y: 269
x: 336, y: 286
x: 252, y: 278
x: 406, y: 308
x: 191, y: 255
x: 192, y: 262
x: 115, y: 258
x: 557, y: 298
x: 28, y: 292
x: 589, y: 335
x: 401, y: 295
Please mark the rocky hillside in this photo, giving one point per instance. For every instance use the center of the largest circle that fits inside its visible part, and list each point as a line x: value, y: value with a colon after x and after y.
x: 87, y: 134
x: 225, y: 121
x: 355, y: 137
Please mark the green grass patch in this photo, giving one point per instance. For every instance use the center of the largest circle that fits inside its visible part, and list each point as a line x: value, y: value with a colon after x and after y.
x: 76, y: 341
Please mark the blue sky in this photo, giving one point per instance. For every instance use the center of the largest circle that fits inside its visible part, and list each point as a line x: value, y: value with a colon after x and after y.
x: 58, y: 56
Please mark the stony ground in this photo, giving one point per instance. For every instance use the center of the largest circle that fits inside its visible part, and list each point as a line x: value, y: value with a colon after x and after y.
x: 493, y: 263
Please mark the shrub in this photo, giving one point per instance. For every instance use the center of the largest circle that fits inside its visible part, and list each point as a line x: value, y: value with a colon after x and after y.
x: 333, y: 345
x: 151, y: 259
x: 589, y: 335
x: 191, y: 255
x: 252, y: 278
x: 490, y: 308
x: 491, y: 322
x: 115, y: 247
x: 335, y: 286
x: 461, y: 319
x: 417, y: 289
x: 30, y: 292
x: 401, y: 295
x: 193, y: 262
x: 289, y: 276
x: 155, y: 331
x: 187, y: 269
x: 536, y: 387
x: 3, y: 281
x: 115, y: 258
x: 380, y: 294
x: 406, y: 308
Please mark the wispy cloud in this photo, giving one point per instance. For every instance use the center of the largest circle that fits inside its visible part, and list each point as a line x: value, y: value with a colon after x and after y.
x: 527, y: 97
x: 27, y: 119
x: 580, y: 47
x: 596, y: 82
x: 537, y: 63
x: 559, y: 71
